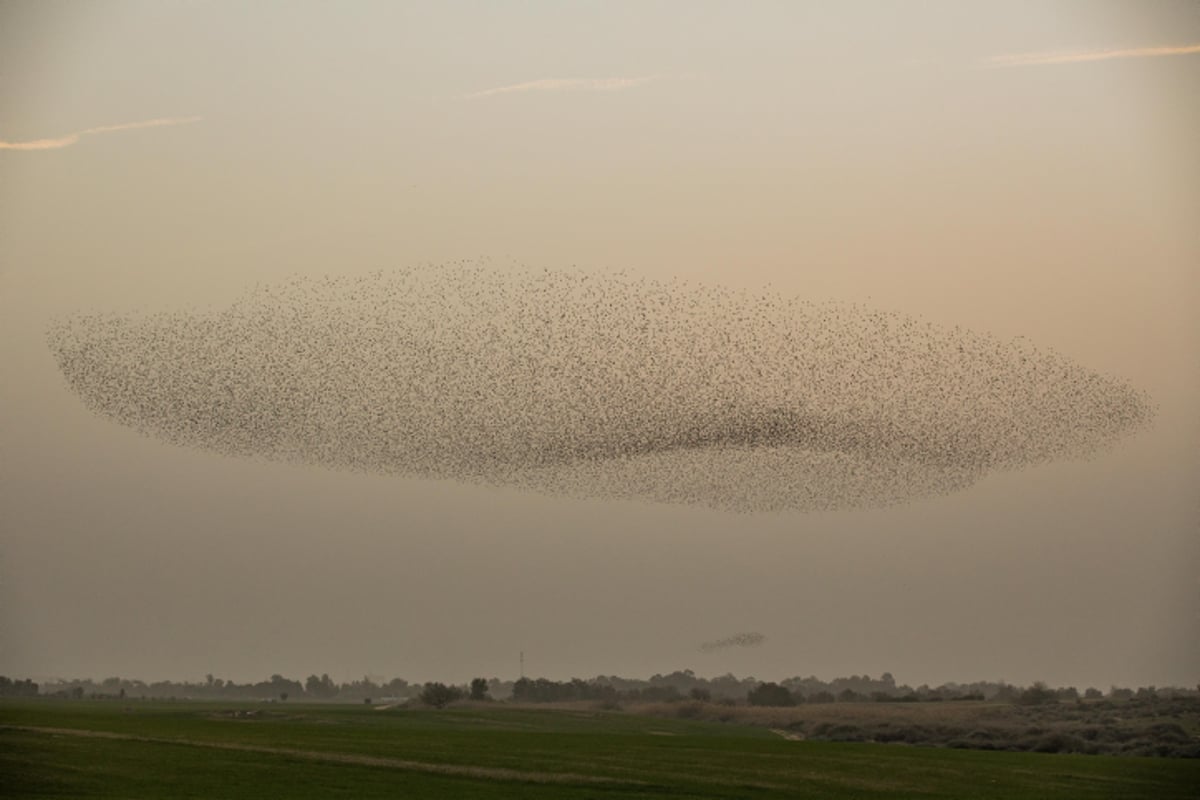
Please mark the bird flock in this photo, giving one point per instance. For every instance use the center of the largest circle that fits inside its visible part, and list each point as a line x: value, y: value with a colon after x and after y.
x: 595, y: 385
x: 748, y: 639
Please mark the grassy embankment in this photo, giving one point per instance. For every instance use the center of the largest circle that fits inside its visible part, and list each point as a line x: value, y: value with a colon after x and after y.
x: 182, y: 750
x: 1162, y: 727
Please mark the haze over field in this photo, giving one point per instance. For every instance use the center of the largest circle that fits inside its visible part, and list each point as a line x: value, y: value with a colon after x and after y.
x: 1018, y: 184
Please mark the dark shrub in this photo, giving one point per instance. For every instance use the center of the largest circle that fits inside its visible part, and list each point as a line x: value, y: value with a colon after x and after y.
x: 1058, y: 742
x: 1169, y: 732
x: 846, y: 733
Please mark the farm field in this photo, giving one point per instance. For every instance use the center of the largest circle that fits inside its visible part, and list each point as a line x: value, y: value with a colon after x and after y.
x: 192, y: 750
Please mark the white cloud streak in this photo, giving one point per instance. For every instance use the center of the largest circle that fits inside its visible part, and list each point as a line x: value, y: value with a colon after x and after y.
x: 1078, y: 56
x: 71, y: 138
x: 567, y: 85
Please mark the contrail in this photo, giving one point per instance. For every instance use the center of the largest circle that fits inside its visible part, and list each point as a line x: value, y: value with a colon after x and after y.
x: 72, y: 138
x: 567, y: 84
x: 1039, y: 59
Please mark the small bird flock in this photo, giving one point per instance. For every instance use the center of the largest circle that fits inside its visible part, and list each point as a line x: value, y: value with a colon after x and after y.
x: 595, y: 385
x: 748, y: 639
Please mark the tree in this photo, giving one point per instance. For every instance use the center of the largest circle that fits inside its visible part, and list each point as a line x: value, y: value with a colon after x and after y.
x: 1037, y: 695
x: 278, y: 686
x: 322, y: 687
x: 522, y: 690
x: 770, y: 694
x: 479, y: 689
x: 19, y: 688
x: 439, y: 695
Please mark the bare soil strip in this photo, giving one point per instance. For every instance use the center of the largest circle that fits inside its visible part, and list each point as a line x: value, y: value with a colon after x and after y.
x: 460, y: 770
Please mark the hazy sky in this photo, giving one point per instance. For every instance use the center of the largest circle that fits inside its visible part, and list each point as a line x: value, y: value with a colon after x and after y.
x: 1019, y: 169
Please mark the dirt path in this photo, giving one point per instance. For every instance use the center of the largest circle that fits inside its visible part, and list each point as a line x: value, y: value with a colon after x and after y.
x: 460, y: 770
x: 791, y: 737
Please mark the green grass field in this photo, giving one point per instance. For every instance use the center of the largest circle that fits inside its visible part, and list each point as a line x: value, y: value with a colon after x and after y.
x: 226, y: 750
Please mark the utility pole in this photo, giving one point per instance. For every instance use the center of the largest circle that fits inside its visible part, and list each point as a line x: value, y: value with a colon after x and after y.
x: 522, y: 665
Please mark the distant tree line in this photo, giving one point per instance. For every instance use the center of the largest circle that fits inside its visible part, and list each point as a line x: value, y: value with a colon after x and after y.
x: 685, y: 685
x: 676, y: 686
x: 12, y: 688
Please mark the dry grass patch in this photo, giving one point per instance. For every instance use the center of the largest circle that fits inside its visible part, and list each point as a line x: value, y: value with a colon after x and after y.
x: 1144, y: 729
